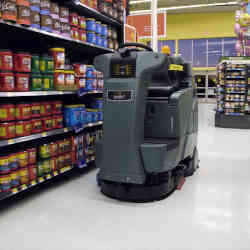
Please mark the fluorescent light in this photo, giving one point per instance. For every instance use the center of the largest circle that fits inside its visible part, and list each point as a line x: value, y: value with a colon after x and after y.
x: 186, y: 7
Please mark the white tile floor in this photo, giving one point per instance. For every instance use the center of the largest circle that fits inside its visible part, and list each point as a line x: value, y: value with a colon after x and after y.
x: 212, y: 211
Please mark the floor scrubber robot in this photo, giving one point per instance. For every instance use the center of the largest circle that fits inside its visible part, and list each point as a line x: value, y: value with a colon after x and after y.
x: 150, y: 124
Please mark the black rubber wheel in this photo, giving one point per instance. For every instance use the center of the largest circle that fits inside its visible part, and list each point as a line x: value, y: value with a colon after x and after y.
x: 193, y: 164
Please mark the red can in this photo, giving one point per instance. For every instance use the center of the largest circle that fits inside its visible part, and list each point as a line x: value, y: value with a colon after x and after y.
x: 82, y: 22
x: 32, y: 172
x: 31, y: 156
x: 22, y: 128
x: 35, y: 109
x: 73, y: 19
x: 54, y: 163
x: 58, y: 121
x: 7, y: 112
x: 75, y: 33
x: 22, y: 82
x: 46, y: 108
x: 82, y: 35
x: 24, y: 175
x: 27, y: 128
x: 47, y: 123
x: 7, y: 81
x: 22, y: 62
x: 6, y: 60
x: 56, y: 107
x: 37, y: 126
x: 23, y: 111
x: 7, y: 130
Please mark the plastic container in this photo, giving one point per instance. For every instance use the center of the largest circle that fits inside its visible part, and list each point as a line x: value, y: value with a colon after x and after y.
x: 74, y: 115
x: 98, y: 28
x: 57, y: 107
x: 44, y: 151
x: 56, y: 26
x: 35, y: 109
x: 48, y: 82
x: 46, y: 22
x: 104, y: 30
x: 54, y: 11
x: 36, y: 82
x: 10, y: 13
x: 75, y: 33
x: 23, y: 111
x: 53, y: 164
x: 6, y: 60
x: 47, y: 123
x: 46, y: 166
x: 4, y: 164
x: 81, y: 82
x: 59, y: 79
x: 36, y: 126
x: 82, y: 22
x: 40, y: 171
x: 23, y: 158
x: 23, y: 128
x: 13, y: 161
x: 5, y: 183
x: 80, y: 69
x: 69, y: 79
x: 7, y: 112
x: 45, y: 7
x: 53, y: 149
x: 98, y: 40
x: 22, y: 62
x: 35, y: 64
x: 46, y: 64
x: 24, y: 175
x: 89, y: 85
x: 73, y: 19
x: 23, y: 15
x: 7, y: 130
x: 22, y: 82
x: 31, y: 156
x: 46, y: 108
x: 7, y: 81
x: 14, y: 178
x: 90, y: 71
x: 90, y: 24
x: 82, y: 35
x: 32, y: 172
x: 104, y: 42
x: 58, y: 121
x: 59, y: 57
x: 65, y: 30
x: 91, y: 37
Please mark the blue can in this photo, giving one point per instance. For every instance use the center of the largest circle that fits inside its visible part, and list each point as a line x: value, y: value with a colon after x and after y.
x: 91, y: 37
x: 74, y: 115
x: 89, y: 85
x: 88, y: 117
x: 100, y: 115
x: 104, y: 31
x: 104, y: 42
x: 91, y: 25
x: 98, y: 28
x: 98, y: 40
x: 90, y: 71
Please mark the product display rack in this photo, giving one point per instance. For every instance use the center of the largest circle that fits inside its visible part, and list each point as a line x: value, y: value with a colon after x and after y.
x: 36, y: 41
x: 233, y: 81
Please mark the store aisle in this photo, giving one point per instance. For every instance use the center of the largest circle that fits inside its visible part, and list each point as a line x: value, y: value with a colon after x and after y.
x: 212, y: 211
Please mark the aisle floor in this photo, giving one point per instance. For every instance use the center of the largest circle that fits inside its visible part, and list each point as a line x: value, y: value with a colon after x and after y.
x: 212, y: 211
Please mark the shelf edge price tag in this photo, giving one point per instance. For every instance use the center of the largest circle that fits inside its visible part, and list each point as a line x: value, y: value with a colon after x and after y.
x: 10, y: 141
x: 55, y: 173
x: 33, y: 182
x: 24, y: 186
x: 44, y: 134
x: 41, y: 179
x: 14, y: 190
x: 48, y: 176
x: 65, y: 130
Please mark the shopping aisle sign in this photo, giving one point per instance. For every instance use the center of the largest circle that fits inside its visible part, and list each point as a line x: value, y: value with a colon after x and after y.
x: 142, y: 23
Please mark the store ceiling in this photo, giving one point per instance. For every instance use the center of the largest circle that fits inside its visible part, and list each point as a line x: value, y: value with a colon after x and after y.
x: 176, y: 3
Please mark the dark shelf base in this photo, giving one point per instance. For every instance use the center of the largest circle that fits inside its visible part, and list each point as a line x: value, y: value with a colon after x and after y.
x: 230, y: 121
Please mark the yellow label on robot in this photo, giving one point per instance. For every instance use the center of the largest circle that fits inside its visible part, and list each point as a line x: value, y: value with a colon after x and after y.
x: 176, y: 67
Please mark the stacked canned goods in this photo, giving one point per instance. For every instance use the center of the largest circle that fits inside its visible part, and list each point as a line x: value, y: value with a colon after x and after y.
x: 24, y: 119
x: 91, y: 3
x: 112, y: 8
x: 53, y: 156
x: 17, y: 168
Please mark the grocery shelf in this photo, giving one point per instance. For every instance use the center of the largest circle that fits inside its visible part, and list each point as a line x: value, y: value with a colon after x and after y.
x: 26, y: 35
x: 86, y: 10
x: 35, y: 93
x: 82, y: 93
x: 45, y: 134
x: 39, y: 180
x: 35, y: 136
